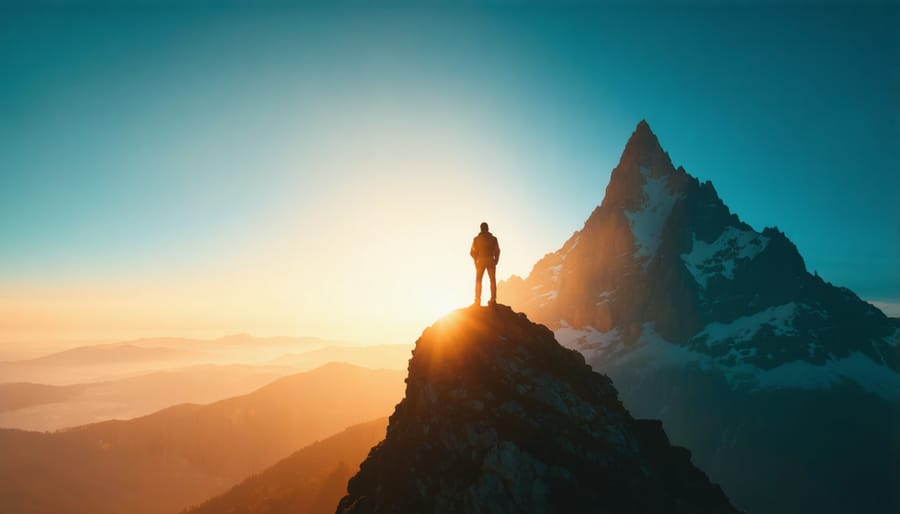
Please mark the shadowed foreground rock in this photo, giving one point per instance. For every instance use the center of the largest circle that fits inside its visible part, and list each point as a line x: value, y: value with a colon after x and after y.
x: 498, y: 417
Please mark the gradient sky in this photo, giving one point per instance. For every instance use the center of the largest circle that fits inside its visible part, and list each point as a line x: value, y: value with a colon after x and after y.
x: 321, y: 170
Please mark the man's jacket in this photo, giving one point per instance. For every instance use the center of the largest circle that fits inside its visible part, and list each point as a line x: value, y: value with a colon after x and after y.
x: 485, y: 249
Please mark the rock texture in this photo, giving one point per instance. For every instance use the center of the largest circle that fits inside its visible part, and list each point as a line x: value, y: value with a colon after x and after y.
x: 499, y: 418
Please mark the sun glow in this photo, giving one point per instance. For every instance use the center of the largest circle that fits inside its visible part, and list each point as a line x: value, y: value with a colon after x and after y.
x: 375, y: 252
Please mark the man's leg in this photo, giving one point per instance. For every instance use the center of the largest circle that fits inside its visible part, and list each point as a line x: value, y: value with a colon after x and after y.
x: 492, y: 274
x: 479, y: 274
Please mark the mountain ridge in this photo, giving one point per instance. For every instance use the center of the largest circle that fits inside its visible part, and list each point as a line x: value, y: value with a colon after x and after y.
x: 184, y: 454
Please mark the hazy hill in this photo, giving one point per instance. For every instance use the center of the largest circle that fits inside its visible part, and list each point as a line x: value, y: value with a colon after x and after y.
x: 311, y: 480
x: 239, y: 347
x: 20, y: 395
x: 126, y: 380
x: 44, y: 407
x: 182, y: 455
x: 386, y: 356
x: 96, y: 362
x: 110, y: 354
x: 113, y: 361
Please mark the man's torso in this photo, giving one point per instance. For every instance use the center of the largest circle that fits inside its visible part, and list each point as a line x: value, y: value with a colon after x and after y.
x: 486, y: 246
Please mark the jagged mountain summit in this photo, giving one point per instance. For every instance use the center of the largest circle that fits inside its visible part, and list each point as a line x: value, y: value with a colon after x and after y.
x: 785, y: 387
x: 663, y: 258
x: 498, y: 417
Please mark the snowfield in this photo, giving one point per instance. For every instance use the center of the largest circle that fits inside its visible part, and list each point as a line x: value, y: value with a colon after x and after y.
x: 779, y: 318
x: 648, y: 222
x: 720, y: 257
x: 652, y: 352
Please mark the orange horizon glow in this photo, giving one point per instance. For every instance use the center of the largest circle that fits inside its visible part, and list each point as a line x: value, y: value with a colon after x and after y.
x: 375, y: 256
x: 364, y: 285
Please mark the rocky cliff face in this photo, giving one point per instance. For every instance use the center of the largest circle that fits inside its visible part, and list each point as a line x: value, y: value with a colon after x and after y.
x: 498, y: 417
x: 755, y: 364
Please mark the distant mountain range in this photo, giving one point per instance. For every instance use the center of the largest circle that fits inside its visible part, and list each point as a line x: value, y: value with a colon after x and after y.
x: 41, y: 407
x: 264, y: 346
x: 112, y: 361
x: 111, y: 354
x: 93, y: 383
x: 182, y: 455
x: 385, y: 356
x: 785, y: 387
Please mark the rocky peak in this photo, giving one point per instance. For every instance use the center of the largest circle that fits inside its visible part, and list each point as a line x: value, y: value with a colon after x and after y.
x: 644, y: 181
x: 498, y: 417
x: 643, y: 151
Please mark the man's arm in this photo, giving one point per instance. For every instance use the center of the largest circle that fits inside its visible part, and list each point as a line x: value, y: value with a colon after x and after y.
x: 496, y: 251
x: 474, y: 250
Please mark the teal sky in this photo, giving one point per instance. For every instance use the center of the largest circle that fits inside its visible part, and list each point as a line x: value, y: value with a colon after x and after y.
x: 140, y: 142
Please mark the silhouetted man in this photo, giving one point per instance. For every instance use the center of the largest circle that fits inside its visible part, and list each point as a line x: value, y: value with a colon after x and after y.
x: 486, y: 254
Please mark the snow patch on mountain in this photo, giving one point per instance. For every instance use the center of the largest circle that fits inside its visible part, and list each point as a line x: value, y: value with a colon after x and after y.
x: 856, y: 367
x: 549, y: 296
x: 592, y: 343
x: 889, y: 308
x: 564, y: 252
x: 652, y: 351
x: 604, y: 297
x: 720, y: 257
x: 554, y: 272
x: 779, y: 318
x: 589, y: 337
x: 647, y: 223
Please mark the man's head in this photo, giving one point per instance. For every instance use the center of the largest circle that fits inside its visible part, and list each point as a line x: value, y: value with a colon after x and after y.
x: 484, y: 227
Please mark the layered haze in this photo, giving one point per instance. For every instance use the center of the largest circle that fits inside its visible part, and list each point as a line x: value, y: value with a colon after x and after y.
x: 94, y: 383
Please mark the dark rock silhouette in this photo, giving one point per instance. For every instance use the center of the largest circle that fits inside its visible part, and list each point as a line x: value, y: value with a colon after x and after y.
x: 498, y: 417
